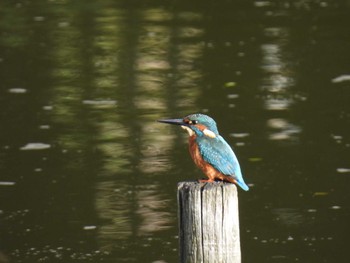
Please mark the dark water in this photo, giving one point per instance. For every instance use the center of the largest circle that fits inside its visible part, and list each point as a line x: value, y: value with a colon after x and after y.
x: 87, y: 175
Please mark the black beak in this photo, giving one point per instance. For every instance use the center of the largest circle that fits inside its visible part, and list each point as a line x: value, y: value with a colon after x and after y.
x: 173, y: 121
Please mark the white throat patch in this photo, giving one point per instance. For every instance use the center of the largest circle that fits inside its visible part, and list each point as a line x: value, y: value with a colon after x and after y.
x: 190, y: 132
x: 206, y: 132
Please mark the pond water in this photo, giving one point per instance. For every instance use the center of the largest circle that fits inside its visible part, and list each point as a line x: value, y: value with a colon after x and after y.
x: 88, y: 175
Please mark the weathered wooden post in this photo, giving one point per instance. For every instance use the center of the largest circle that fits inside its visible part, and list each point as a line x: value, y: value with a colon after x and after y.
x: 208, y: 222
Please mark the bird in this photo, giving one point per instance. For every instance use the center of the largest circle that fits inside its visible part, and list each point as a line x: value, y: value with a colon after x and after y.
x: 209, y: 150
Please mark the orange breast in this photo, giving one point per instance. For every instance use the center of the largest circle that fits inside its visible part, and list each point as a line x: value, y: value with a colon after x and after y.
x: 208, y: 169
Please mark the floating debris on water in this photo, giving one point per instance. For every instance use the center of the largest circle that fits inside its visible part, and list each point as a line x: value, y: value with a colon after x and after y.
x: 4, y: 183
x: 290, y: 238
x: 341, y: 78
x: 239, y: 135
x: 230, y: 84
x: 35, y: 146
x: 44, y: 127
x: 47, y: 107
x: 336, y: 137
x: 89, y: 227
x: 17, y: 90
x: 232, y: 96
x: 312, y: 210
x: 343, y: 170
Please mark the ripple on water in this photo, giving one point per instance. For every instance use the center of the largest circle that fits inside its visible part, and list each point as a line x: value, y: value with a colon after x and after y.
x: 64, y: 254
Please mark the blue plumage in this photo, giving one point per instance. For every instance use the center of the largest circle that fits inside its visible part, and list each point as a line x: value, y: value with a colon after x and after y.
x: 209, y: 150
x: 219, y: 154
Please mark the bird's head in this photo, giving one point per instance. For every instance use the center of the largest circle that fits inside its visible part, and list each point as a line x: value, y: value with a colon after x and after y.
x: 196, y: 124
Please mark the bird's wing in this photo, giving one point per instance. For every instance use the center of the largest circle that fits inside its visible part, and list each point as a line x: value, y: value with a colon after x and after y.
x: 219, y: 154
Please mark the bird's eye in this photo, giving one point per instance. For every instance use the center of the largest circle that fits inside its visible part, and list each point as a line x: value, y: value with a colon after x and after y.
x: 190, y: 122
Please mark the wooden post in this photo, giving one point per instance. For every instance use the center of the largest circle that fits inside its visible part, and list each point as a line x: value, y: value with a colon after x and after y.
x: 208, y: 222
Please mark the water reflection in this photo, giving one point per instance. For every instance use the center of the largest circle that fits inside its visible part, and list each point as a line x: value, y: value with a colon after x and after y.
x: 88, y: 175
x: 108, y: 118
x: 278, y: 73
x: 278, y: 83
x: 282, y: 129
x: 126, y: 148
x: 152, y: 209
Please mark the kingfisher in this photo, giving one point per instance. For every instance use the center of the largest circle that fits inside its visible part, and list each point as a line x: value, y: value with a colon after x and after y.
x: 209, y: 151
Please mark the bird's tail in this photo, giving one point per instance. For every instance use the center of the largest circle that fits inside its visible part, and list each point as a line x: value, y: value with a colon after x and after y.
x: 243, y: 185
